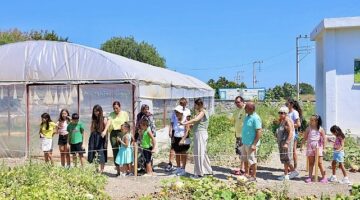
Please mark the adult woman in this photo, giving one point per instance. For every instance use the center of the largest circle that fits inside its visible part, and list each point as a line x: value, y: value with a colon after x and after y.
x: 285, y: 141
x: 113, y: 126
x: 295, y: 114
x: 145, y: 114
x: 98, y: 140
x: 62, y: 124
x: 181, y: 140
x: 201, y: 122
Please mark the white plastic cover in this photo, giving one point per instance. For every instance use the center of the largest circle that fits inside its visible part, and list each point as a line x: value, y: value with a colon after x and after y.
x: 48, y: 61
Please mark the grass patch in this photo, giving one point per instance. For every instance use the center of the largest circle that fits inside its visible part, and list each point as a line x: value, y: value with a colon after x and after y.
x: 42, y: 181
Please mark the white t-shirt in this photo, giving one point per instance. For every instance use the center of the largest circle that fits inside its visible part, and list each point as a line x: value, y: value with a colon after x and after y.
x: 179, y: 130
x: 294, y: 115
x: 62, y: 128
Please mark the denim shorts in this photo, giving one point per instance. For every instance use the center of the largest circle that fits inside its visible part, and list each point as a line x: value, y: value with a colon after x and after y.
x: 338, y: 156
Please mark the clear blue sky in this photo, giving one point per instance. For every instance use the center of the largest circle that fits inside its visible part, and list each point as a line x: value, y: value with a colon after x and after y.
x: 217, y: 37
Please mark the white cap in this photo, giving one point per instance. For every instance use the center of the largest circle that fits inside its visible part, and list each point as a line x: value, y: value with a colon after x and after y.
x: 284, y: 109
x: 179, y: 109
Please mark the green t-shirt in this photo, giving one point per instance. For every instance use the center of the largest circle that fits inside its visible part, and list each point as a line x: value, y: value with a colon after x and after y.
x: 146, y: 140
x: 75, y: 132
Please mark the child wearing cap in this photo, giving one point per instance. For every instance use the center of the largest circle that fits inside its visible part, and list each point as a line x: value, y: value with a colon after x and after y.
x: 76, y: 138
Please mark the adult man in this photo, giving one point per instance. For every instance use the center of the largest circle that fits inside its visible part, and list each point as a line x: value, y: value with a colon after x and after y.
x: 238, y: 118
x: 251, y: 133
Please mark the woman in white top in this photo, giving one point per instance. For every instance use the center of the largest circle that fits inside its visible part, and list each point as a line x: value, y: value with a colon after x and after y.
x: 181, y: 140
x: 295, y: 114
x: 62, y: 124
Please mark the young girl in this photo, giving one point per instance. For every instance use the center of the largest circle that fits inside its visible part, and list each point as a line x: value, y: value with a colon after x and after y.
x: 315, y: 138
x: 47, y: 131
x: 125, y: 156
x: 98, y: 138
x: 181, y: 140
x: 148, y: 145
x: 62, y: 124
x: 338, y: 156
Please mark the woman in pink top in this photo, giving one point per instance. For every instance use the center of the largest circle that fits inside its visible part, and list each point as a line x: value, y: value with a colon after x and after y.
x: 315, y: 138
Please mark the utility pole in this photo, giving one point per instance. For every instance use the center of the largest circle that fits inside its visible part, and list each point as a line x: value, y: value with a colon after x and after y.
x: 254, y: 71
x: 300, y: 50
x: 239, y: 76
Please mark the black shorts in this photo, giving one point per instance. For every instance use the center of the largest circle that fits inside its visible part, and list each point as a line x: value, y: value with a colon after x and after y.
x: 77, y: 148
x: 180, y: 148
x: 63, y: 139
x: 147, y: 155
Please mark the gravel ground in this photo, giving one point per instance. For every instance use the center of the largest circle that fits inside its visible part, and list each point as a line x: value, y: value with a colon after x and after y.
x: 268, y: 173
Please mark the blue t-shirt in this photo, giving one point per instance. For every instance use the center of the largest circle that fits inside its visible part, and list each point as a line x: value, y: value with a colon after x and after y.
x: 251, y: 124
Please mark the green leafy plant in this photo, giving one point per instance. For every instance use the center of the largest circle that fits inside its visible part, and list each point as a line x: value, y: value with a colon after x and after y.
x: 42, y: 181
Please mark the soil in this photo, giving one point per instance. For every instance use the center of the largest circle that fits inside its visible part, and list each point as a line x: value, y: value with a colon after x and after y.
x: 267, y: 177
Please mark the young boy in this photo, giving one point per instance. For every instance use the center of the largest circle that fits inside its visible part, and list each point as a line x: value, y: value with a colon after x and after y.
x: 76, y: 138
x: 148, y: 144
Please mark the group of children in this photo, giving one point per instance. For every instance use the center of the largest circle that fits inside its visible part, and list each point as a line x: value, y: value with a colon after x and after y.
x: 71, y: 138
x: 315, y: 138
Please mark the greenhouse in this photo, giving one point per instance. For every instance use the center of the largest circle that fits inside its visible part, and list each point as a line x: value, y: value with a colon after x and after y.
x: 46, y: 76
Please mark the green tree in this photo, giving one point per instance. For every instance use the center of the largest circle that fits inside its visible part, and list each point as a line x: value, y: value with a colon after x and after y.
x: 128, y: 47
x: 15, y: 35
x: 306, y: 88
x: 289, y: 91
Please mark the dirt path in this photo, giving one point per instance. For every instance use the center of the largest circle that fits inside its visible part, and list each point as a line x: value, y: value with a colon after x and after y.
x: 268, y: 173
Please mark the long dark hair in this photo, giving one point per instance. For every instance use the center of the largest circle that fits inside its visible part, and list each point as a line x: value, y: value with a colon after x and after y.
x: 199, y: 102
x: 337, y: 131
x: 97, y: 122
x: 60, y: 116
x: 319, y: 121
x: 296, y: 106
x: 47, y: 117
x: 116, y: 103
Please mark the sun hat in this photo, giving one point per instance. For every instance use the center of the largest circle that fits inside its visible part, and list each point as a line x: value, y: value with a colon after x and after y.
x: 179, y: 109
x: 284, y: 109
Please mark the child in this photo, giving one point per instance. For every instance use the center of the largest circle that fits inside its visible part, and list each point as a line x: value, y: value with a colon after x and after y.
x: 47, y: 131
x: 148, y: 144
x: 76, y: 138
x: 125, y: 156
x: 315, y: 138
x: 338, y: 156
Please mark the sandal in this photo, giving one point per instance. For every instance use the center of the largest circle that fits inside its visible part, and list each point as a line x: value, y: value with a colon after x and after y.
x: 238, y: 172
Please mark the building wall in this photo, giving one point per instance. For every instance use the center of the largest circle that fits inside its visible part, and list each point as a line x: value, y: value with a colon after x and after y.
x: 340, y: 96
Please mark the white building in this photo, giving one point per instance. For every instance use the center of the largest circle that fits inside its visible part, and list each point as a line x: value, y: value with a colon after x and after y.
x: 248, y: 94
x: 337, y: 86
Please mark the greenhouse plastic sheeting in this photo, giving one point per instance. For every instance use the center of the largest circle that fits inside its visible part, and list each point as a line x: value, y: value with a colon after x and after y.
x: 49, y: 61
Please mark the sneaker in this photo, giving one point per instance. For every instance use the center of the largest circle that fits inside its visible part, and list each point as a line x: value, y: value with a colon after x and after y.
x: 129, y: 174
x: 284, y: 178
x: 293, y: 174
x: 147, y: 175
x: 251, y: 179
x: 324, y: 180
x: 332, y: 179
x: 195, y: 177
x: 308, y: 180
x: 181, y: 173
x: 168, y: 167
x: 178, y: 170
x: 345, y: 180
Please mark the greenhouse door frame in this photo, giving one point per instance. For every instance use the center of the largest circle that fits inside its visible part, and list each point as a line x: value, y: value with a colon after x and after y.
x: 77, y: 84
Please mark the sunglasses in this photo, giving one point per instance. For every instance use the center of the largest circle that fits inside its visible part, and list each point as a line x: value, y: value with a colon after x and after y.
x: 281, y: 113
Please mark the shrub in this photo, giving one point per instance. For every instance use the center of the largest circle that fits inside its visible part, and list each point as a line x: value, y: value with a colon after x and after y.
x: 41, y: 181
